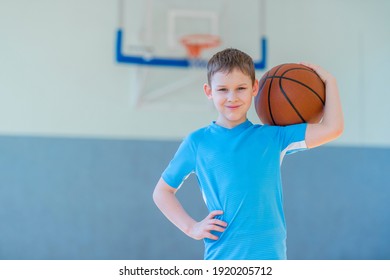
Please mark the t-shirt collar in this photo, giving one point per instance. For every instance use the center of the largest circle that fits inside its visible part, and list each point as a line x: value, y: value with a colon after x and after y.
x: 237, y: 128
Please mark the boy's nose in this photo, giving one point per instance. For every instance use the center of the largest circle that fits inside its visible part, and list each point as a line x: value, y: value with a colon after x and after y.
x: 232, y: 96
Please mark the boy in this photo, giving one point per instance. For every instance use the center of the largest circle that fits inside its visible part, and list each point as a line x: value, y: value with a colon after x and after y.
x: 238, y: 165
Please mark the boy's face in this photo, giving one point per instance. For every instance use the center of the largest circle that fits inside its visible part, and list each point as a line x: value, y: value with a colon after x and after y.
x: 232, y: 95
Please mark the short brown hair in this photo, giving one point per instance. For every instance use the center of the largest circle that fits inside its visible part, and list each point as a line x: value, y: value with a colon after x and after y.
x: 228, y: 60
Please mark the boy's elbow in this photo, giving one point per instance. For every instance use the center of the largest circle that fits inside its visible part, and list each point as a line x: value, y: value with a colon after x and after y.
x: 335, y: 133
x: 335, y: 129
x: 339, y: 129
x: 156, y: 196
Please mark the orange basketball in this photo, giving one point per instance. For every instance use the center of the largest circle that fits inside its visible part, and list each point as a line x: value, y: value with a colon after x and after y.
x: 290, y: 94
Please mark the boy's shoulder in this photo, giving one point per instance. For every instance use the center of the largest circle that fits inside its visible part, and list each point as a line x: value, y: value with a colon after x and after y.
x: 198, y: 134
x: 265, y: 131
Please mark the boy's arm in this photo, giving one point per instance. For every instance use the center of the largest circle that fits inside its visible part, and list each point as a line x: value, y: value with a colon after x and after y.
x: 332, y: 124
x: 165, y: 199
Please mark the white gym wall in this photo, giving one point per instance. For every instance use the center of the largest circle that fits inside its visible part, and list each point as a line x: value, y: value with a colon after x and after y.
x: 59, y: 76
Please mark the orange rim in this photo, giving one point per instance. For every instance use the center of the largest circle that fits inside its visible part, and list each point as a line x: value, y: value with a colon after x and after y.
x: 195, y: 43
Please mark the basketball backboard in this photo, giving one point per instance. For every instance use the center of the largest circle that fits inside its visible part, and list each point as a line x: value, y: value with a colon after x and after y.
x: 150, y: 37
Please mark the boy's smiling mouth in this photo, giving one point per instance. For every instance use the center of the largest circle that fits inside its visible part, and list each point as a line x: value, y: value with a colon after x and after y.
x: 233, y: 106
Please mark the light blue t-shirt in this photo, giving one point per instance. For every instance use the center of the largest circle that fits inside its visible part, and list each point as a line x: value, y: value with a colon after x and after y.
x: 238, y: 171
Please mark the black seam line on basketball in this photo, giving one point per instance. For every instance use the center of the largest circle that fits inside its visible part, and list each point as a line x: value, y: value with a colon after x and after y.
x: 302, y: 84
x: 269, y: 97
x: 280, y: 66
x: 262, y: 85
x: 269, y: 102
x: 289, y: 101
x: 312, y: 71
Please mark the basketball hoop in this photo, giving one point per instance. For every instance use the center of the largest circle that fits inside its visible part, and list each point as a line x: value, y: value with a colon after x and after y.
x: 195, y: 43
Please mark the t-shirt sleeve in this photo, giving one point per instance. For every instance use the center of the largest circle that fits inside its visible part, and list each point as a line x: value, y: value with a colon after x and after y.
x: 293, y: 138
x: 182, y: 164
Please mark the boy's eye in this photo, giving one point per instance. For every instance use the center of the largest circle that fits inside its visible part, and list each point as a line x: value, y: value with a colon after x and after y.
x: 242, y: 88
x: 222, y: 89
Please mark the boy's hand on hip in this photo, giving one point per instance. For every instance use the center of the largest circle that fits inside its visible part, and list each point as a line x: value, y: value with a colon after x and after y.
x: 203, y: 228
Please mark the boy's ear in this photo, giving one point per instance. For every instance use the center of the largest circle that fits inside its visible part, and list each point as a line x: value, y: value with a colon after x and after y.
x: 255, y: 88
x: 207, y: 91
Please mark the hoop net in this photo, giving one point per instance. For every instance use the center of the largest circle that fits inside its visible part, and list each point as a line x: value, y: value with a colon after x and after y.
x: 195, y: 43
